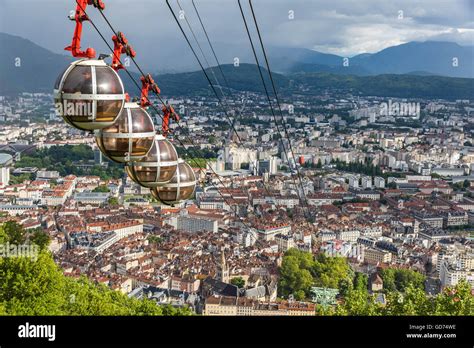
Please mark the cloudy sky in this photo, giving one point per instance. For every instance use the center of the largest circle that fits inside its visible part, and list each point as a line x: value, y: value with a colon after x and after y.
x: 343, y: 27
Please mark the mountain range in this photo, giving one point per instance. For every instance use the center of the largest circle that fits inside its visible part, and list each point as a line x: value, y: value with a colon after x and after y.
x: 414, y: 69
x: 427, y: 58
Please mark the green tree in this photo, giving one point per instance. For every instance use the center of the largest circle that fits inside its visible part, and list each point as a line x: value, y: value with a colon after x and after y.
x: 295, y: 275
x: 300, y: 271
x: 399, y: 279
x: 63, y: 159
x: 358, y: 302
x: 392, y: 185
x: 330, y: 271
x: 155, y: 239
x: 412, y: 302
x: 40, y: 238
x: 3, y: 235
x: 238, y: 282
x: 345, y: 286
x: 101, y: 188
x: 361, y: 281
x: 19, y: 179
x: 38, y: 287
x: 457, y: 300
x: 113, y: 201
x: 15, y: 234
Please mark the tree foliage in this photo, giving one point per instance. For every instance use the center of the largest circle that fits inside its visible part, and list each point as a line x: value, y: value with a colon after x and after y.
x: 37, y: 286
x: 400, y: 279
x: 19, y: 179
x: 101, y: 188
x: 300, y: 271
x: 456, y: 300
x: 238, y: 282
x: 404, y: 289
x: 155, y: 239
x: 113, y: 201
x: 13, y: 233
x: 40, y: 238
x: 359, y: 167
x: 361, y: 281
x: 64, y: 160
x: 329, y: 272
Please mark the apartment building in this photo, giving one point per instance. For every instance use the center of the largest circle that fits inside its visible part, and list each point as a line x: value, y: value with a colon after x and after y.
x: 376, y: 256
x: 242, y: 306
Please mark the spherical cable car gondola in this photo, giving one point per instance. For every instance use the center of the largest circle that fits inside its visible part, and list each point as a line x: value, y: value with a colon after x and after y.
x: 130, y: 137
x: 180, y: 188
x: 89, y: 95
x: 157, y: 167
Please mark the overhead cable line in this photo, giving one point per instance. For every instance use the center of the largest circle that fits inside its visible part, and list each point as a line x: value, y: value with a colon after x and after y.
x: 222, y: 103
x: 212, y: 70
x: 267, y: 95
x: 210, y: 45
x: 276, y: 96
x: 200, y: 48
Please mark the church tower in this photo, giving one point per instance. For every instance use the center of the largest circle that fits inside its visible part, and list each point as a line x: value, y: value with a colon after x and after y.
x: 222, y: 269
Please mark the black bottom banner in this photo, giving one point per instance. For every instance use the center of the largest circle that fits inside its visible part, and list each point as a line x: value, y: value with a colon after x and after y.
x: 242, y: 331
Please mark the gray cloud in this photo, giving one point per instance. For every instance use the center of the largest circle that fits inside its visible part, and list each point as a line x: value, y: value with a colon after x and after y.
x: 332, y: 26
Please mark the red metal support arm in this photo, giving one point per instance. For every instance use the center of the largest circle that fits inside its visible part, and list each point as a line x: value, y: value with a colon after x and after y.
x: 168, y: 112
x: 121, y: 46
x: 148, y: 84
x: 80, y: 16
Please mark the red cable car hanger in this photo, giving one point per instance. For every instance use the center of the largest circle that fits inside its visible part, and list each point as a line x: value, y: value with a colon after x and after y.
x: 148, y: 84
x: 168, y: 112
x: 121, y: 46
x: 80, y: 16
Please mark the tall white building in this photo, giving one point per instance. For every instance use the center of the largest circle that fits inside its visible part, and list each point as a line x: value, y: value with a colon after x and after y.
x: 236, y: 156
x: 450, y: 274
x: 366, y: 182
x: 379, y: 182
x: 354, y: 181
x: 269, y: 166
x: 4, y: 176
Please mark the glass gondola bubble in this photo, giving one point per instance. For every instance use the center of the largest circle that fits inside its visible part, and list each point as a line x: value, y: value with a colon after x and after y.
x: 180, y: 188
x: 157, y: 167
x: 89, y: 94
x: 130, y: 137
